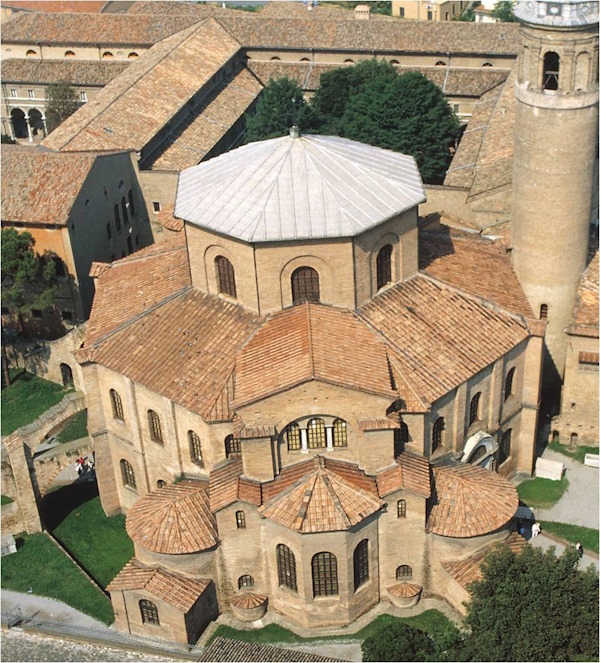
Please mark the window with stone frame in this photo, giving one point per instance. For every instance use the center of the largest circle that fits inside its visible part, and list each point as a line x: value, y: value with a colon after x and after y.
x: 504, y: 447
x: 361, y: 563
x: 551, y: 71
x: 384, y: 266
x: 324, y: 574
x: 340, y: 433
x: 245, y: 581
x: 401, y: 508
x: 154, y: 427
x: 195, y: 448
x: 117, y: 405
x: 286, y: 567
x: 316, y: 434
x: 240, y: 519
x: 403, y: 571
x: 508, y: 383
x: 127, y: 474
x: 437, y: 435
x: 543, y: 311
x: 292, y: 434
x: 305, y: 285
x: 474, y: 408
x: 149, y: 612
x: 225, y: 276
x: 233, y: 447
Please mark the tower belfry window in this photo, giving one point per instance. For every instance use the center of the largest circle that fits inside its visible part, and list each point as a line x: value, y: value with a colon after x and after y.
x: 551, y: 70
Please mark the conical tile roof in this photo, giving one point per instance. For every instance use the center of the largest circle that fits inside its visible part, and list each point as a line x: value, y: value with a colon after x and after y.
x: 248, y: 600
x: 321, y: 502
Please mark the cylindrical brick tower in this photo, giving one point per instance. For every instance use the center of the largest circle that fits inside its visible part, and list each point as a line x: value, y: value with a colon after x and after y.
x: 556, y: 144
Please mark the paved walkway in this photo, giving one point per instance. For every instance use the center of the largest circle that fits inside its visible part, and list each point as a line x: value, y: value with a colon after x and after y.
x: 543, y: 541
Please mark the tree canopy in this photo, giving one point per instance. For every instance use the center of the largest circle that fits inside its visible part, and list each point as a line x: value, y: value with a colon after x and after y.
x: 503, y: 11
x: 61, y: 102
x: 397, y: 642
x: 532, y: 606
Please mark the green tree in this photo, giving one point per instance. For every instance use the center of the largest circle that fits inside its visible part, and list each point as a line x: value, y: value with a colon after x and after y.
x: 61, y: 103
x: 397, y: 642
x: 280, y: 106
x: 503, y: 11
x: 28, y: 280
x: 532, y: 606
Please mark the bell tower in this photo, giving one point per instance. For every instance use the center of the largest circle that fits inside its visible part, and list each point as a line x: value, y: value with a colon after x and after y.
x: 556, y: 141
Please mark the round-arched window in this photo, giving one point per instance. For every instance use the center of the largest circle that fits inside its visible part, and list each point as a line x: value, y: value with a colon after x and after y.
x: 305, y: 285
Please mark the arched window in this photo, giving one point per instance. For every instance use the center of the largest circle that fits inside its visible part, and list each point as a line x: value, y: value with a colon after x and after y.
x: 316, y: 434
x: 67, y: 375
x: 154, y: 427
x: 574, y: 439
x: 361, y: 563
x: 479, y: 453
x: 324, y: 574
x: 304, y: 60
x: 403, y: 571
x: 127, y: 474
x: 384, y: 266
x: 487, y: 64
x: 305, y: 285
x: 117, y: 405
x: 508, y: 383
x: 275, y: 59
x: 551, y: 70
x: 504, y: 450
x: 474, y: 408
x: 340, y: 433
x: 401, y: 508
x: 149, y: 612
x: 117, y: 217
x: 400, y: 439
x: 30, y: 54
x: 286, y: 567
x: 59, y: 266
x: 69, y: 54
x: 131, y: 205
x: 233, y: 448
x: 394, y: 62
x: 132, y: 56
x: 543, y: 311
x: 161, y: 483
x: 245, y: 581
x: 440, y: 63
x: 107, y: 55
x: 348, y: 61
x: 437, y: 435
x: 195, y: 448
x: 240, y: 520
x: 124, y: 209
x: 292, y: 433
x: 225, y: 276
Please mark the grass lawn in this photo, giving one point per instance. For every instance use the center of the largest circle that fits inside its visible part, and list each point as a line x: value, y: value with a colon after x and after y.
x: 541, y: 493
x: 100, y: 544
x: 577, y: 454
x: 430, y: 621
x: 587, y: 536
x: 39, y: 564
x: 75, y: 429
x: 27, y: 397
x: 5, y: 499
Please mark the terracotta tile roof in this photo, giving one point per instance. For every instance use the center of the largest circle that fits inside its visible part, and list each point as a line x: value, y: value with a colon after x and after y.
x: 466, y: 571
x: 352, y: 474
x: 381, y: 423
x: 585, y: 314
x: 323, y: 11
x: 248, y: 600
x: 167, y: 219
x: 223, y: 649
x: 174, y: 520
x: 429, y: 325
x: 45, y: 72
x: 42, y: 186
x: 405, y: 590
x: 409, y: 472
x: 157, y: 85
x: 288, y: 476
x: 223, y: 482
x: 224, y: 107
x: 311, y: 341
x: 70, y: 6
x: 72, y: 29
x: 321, y: 502
x: 174, y: 589
x: 474, y: 265
x: 470, y: 501
x: 249, y: 491
x: 170, y: 8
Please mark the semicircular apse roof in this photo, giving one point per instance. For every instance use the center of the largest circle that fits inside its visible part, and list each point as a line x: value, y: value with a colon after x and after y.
x: 306, y: 187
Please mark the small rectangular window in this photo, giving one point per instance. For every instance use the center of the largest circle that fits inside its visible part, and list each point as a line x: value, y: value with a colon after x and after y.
x: 31, y: 94
x: 83, y: 95
x: 401, y: 12
x: 430, y: 16
x: 156, y: 206
x: 13, y: 92
x: 456, y: 108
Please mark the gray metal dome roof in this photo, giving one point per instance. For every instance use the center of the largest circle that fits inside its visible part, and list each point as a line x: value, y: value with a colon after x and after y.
x: 306, y: 187
x: 558, y: 13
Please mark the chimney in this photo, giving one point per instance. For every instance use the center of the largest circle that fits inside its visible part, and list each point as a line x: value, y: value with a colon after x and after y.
x: 362, y: 12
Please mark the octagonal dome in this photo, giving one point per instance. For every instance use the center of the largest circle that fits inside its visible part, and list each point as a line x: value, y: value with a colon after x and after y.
x: 304, y: 187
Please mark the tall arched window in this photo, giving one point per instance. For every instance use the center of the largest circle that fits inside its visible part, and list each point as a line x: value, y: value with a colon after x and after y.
x: 316, y: 434
x: 324, y: 574
x: 551, y: 71
x: 127, y: 474
x: 504, y: 450
x: 543, y: 311
x: 305, y: 285
x: 437, y: 435
x: 400, y: 439
x: 195, y: 448
x: 401, y: 508
x: 340, y: 433
x: 149, y: 612
x: 384, y: 266
x: 361, y: 563
x: 403, y: 571
x: 117, y: 405
x: 117, y: 217
x: 67, y: 375
x: 286, y: 567
x: 245, y: 581
x: 474, y: 408
x: 240, y: 519
x: 154, y: 427
x: 292, y: 433
x: 225, y: 276
x: 131, y: 205
x: 233, y: 447
x: 124, y: 210
x: 508, y: 383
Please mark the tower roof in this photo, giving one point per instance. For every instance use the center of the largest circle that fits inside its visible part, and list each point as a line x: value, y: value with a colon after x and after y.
x: 561, y: 14
x: 306, y: 187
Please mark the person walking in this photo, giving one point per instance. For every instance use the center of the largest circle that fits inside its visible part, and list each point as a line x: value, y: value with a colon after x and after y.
x: 536, y: 528
x: 579, y: 549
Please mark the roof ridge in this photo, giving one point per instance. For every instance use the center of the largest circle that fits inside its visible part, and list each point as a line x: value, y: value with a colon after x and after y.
x: 334, y: 496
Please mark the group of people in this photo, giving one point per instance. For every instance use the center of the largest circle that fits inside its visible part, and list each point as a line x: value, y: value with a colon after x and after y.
x: 536, y: 528
x: 86, y: 464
